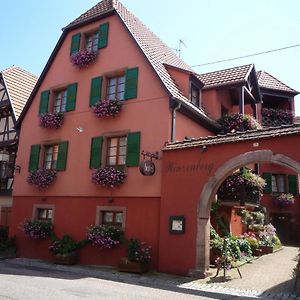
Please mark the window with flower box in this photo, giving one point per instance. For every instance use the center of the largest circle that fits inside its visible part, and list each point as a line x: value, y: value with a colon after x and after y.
x: 280, y: 183
x: 115, y: 150
x: 119, y: 85
x: 111, y: 215
x: 52, y: 156
x: 93, y: 42
x: 61, y: 100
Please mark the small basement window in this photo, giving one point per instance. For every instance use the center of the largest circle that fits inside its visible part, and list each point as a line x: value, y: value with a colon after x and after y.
x: 111, y: 215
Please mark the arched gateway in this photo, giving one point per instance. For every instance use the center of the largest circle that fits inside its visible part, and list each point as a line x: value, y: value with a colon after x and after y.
x: 192, y: 173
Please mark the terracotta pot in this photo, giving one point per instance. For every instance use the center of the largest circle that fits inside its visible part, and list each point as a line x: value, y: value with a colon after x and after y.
x: 132, y: 266
x: 257, y: 252
x: 66, y: 259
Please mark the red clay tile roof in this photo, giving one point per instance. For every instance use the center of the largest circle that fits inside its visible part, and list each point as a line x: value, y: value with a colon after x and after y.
x: 154, y: 49
x: 19, y: 84
x: 225, y: 77
x: 265, y: 80
x: 236, y: 137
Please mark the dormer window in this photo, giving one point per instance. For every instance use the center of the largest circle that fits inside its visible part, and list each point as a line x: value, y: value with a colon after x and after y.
x: 195, y: 95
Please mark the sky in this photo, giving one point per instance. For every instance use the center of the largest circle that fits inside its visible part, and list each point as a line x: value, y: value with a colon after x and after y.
x: 211, y: 31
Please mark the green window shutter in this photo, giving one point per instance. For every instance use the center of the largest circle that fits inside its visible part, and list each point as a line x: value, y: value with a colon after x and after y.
x: 71, y: 96
x: 96, y: 152
x: 133, y: 149
x: 44, y: 102
x: 96, y: 89
x: 268, y: 178
x: 34, y: 157
x: 75, y: 44
x: 131, y: 83
x: 62, y: 156
x: 103, y: 35
x: 292, y: 179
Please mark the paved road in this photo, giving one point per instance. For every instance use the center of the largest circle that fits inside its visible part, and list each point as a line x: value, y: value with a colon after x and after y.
x: 23, y: 282
x: 268, y: 277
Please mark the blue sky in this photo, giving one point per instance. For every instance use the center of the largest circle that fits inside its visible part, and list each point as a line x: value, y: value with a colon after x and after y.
x: 211, y: 30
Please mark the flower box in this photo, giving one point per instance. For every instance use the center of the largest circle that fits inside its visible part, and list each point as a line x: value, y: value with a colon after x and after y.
x: 42, y: 178
x: 66, y: 259
x: 37, y: 229
x: 83, y: 58
x: 51, y: 120
x: 108, y: 177
x: 107, y: 108
x: 266, y: 249
x: 284, y: 200
x: 132, y: 266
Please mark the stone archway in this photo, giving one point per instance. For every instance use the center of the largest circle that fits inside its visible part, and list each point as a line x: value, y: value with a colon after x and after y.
x: 211, y: 188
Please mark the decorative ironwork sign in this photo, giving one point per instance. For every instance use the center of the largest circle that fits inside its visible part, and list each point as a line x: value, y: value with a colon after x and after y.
x: 147, y: 166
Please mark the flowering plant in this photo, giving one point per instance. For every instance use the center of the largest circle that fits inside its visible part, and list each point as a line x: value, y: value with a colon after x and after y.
x: 231, y: 188
x: 52, y: 120
x: 107, y: 108
x: 237, y: 122
x: 266, y: 235
x: 65, y: 245
x: 105, y: 236
x: 138, y: 251
x: 83, y: 58
x: 276, y: 117
x: 108, y: 177
x: 42, y: 178
x: 37, y: 229
x: 284, y: 200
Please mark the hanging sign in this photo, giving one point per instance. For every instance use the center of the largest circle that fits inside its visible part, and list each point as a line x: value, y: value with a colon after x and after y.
x: 147, y: 167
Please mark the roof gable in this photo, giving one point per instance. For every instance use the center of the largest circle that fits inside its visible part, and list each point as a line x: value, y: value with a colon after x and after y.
x: 19, y: 84
x: 267, y: 81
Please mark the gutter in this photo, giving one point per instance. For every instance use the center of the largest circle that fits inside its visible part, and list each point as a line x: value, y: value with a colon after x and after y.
x: 173, y: 124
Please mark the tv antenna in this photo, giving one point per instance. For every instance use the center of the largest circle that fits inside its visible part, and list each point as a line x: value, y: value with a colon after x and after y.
x: 178, y: 50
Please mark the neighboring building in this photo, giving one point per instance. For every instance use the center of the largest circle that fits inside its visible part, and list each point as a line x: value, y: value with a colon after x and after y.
x: 16, y: 86
x: 163, y: 101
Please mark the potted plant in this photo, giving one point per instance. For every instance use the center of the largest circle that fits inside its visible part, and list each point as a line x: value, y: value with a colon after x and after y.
x: 37, y: 229
x: 65, y: 250
x: 107, y: 108
x: 83, y: 58
x: 105, y: 236
x: 266, y: 238
x: 138, y: 257
x: 284, y: 200
x: 42, y: 178
x: 52, y: 120
x: 108, y: 177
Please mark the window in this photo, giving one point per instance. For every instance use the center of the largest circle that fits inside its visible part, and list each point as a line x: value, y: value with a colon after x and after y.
x: 111, y: 215
x: 92, y: 42
x: 224, y: 111
x: 51, y: 154
x: 195, y: 95
x: 116, y: 88
x: 60, y: 101
x: 279, y: 183
x: 44, y: 214
x: 116, y: 151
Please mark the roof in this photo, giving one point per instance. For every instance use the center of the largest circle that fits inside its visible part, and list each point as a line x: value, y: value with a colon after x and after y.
x: 267, y: 81
x: 19, y: 84
x: 236, y: 137
x: 157, y: 53
x: 228, y: 76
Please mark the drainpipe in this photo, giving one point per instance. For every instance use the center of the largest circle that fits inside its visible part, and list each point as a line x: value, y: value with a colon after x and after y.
x: 173, y: 126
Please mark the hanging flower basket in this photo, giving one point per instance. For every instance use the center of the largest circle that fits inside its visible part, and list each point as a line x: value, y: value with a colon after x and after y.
x: 107, y: 108
x: 37, y: 229
x: 108, y: 177
x: 237, y: 122
x: 105, y: 236
x: 52, y: 120
x: 284, y: 200
x: 83, y: 58
x: 42, y: 178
